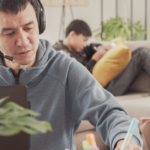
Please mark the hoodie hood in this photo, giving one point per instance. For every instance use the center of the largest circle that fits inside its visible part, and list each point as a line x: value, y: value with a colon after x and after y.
x: 44, y: 55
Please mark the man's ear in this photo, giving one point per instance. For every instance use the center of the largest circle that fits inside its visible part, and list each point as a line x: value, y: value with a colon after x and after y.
x: 72, y: 34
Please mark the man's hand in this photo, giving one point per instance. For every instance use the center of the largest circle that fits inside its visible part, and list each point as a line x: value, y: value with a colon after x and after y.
x: 101, y: 51
x: 144, y: 119
x: 131, y: 146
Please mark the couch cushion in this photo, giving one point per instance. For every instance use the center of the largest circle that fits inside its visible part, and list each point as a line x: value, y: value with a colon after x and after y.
x: 131, y: 96
x: 137, y: 108
x: 136, y: 44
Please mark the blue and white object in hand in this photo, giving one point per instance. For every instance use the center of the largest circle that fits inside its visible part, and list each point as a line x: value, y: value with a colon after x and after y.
x: 131, y: 131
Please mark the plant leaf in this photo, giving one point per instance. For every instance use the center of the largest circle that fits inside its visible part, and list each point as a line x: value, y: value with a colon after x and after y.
x: 3, y: 99
x: 115, y: 27
x: 9, y: 130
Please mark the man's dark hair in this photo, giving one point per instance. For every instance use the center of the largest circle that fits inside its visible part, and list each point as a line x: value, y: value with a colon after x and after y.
x: 79, y: 27
x: 15, y: 6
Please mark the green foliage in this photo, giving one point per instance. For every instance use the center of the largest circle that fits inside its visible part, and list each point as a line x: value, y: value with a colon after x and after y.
x: 116, y: 27
x: 14, y: 119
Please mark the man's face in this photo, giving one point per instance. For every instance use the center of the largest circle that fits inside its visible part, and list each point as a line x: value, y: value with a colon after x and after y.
x: 19, y: 36
x: 78, y: 42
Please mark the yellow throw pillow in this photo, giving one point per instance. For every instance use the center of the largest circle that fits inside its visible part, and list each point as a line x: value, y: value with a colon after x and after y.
x: 112, y: 63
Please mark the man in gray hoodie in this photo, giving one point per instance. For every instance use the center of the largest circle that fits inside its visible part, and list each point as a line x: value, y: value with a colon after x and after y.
x: 59, y: 88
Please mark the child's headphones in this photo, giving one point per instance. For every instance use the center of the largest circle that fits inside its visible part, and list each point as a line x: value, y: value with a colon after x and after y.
x: 42, y: 19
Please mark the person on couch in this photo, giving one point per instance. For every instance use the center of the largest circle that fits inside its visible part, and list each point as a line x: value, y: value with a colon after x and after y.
x: 59, y: 88
x: 77, y: 34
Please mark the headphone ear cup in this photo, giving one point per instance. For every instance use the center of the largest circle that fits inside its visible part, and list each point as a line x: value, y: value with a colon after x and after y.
x: 42, y: 21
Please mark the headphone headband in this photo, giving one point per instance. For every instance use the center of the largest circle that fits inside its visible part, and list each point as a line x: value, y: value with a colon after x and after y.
x: 42, y: 19
x: 40, y: 4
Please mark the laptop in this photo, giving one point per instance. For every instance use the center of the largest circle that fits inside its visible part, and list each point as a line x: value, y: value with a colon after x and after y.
x: 21, y: 141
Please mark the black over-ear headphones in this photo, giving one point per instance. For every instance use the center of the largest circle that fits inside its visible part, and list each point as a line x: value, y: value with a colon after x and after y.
x: 42, y: 19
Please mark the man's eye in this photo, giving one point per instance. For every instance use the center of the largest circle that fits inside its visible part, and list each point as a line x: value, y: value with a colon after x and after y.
x: 28, y: 29
x: 9, y: 34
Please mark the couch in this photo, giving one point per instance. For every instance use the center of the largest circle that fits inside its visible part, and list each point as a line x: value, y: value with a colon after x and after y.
x: 136, y: 103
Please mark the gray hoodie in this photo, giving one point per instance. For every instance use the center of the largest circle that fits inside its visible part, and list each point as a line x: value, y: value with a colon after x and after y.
x: 65, y: 93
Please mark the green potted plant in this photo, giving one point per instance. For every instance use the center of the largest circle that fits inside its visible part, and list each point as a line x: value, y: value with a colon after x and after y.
x: 116, y: 27
x: 14, y: 119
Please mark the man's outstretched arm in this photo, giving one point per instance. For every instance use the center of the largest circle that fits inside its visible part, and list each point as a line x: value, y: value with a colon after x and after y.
x: 89, y: 101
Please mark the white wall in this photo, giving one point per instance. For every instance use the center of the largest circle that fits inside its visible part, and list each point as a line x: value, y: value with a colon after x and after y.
x: 91, y: 14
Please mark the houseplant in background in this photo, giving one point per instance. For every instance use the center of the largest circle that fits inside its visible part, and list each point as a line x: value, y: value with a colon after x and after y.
x: 116, y: 27
x: 14, y: 119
